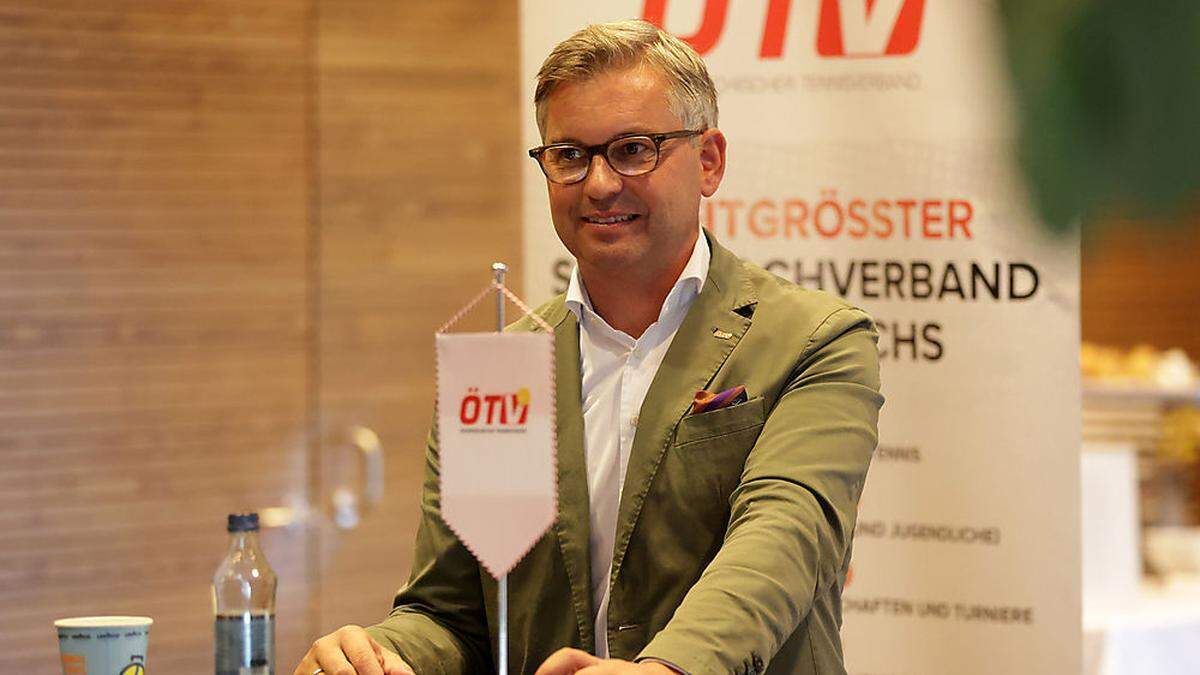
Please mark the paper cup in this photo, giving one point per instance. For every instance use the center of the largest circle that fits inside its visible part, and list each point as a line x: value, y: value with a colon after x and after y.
x: 104, y: 645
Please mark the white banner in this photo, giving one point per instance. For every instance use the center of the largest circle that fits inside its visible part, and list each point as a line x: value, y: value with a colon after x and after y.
x: 870, y: 154
x: 496, y: 438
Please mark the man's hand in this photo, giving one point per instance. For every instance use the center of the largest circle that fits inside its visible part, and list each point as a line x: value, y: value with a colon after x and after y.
x: 575, y: 662
x: 350, y: 651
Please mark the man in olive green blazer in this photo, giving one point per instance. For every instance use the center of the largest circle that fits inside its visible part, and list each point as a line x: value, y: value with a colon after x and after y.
x: 734, y: 526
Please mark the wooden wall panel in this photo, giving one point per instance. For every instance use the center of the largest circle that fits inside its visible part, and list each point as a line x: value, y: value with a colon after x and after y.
x: 1141, y: 284
x: 419, y: 155
x: 154, y: 328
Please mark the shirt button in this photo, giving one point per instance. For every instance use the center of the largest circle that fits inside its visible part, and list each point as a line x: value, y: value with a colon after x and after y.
x: 633, y: 421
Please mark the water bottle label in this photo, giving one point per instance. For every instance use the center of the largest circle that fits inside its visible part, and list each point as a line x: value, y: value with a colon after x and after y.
x: 245, y: 645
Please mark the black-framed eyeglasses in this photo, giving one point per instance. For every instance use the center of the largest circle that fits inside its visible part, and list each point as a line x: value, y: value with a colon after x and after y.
x: 628, y: 155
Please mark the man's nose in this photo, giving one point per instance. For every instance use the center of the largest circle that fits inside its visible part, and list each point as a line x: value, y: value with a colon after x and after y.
x: 601, y: 182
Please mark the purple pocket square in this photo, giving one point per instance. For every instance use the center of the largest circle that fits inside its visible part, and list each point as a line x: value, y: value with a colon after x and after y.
x: 707, y: 401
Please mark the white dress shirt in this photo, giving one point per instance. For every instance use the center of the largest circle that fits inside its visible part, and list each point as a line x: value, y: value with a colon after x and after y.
x: 616, y: 373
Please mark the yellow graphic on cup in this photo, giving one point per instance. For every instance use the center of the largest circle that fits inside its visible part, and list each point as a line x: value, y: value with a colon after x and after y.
x: 134, y: 668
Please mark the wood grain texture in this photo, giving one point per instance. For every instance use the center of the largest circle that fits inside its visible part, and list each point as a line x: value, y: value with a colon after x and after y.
x: 153, y: 311
x: 1141, y: 285
x: 419, y: 156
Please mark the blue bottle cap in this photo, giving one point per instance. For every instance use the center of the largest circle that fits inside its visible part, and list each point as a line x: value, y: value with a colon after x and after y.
x: 243, y: 522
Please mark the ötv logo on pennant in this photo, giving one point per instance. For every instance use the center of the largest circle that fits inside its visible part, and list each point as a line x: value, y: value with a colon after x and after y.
x: 494, y: 411
x: 845, y: 28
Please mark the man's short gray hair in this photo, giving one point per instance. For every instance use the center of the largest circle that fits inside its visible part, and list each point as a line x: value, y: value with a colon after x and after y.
x: 620, y: 44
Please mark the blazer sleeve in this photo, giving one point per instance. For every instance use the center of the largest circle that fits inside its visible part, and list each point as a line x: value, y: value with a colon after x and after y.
x: 438, y: 622
x: 793, y: 512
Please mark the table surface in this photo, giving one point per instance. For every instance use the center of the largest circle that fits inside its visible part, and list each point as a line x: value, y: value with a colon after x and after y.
x: 1157, y: 631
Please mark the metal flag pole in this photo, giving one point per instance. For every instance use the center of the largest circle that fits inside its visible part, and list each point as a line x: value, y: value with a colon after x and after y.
x: 499, y: 269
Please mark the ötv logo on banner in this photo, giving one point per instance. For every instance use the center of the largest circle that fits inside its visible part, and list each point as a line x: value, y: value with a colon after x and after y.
x: 866, y: 28
x: 845, y: 28
x: 486, y: 412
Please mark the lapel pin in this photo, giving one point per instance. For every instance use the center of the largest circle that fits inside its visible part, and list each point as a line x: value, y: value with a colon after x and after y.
x: 721, y: 335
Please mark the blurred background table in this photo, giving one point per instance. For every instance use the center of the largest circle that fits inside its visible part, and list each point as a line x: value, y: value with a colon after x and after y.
x: 1158, y: 632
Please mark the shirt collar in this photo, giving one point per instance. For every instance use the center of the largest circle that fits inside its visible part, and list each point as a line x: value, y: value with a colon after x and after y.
x: 693, y: 276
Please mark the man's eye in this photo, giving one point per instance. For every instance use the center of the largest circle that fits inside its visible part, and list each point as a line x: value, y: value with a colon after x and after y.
x: 633, y: 148
x: 566, y: 154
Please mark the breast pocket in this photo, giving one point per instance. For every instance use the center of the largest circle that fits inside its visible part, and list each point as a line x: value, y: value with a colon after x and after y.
x: 730, y: 424
x: 704, y: 465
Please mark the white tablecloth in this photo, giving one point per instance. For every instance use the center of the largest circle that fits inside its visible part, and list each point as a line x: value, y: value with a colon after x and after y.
x: 1155, y: 633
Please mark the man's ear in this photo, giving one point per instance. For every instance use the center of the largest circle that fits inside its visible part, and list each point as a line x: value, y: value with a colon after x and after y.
x: 712, y: 161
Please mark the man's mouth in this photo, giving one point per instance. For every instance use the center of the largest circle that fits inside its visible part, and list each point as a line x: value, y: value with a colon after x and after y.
x: 611, y: 220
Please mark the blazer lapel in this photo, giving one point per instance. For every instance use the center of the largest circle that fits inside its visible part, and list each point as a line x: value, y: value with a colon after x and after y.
x: 572, y: 526
x: 715, y: 323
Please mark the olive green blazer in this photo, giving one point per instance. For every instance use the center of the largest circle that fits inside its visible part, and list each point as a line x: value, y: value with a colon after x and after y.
x: 734, y: 526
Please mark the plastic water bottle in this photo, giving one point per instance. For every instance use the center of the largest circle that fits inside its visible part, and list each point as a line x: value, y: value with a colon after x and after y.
x: 243, y: 592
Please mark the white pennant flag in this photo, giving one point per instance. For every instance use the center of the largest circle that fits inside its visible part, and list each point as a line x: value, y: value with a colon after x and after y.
x: 496, y: 432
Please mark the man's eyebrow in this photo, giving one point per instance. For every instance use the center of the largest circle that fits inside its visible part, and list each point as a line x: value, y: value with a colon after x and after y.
x: 632, y: 131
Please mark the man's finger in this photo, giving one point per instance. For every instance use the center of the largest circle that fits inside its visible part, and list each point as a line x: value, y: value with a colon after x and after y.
x: 346, y: 651
x: 394, y: 665
x: 364, y: 658
x: 566, y: 661
x: 330, y: 658
x: 361, y: 654
x: 306, y: 666
x: 608, y: 667
x: 390, y: 661
x: 327, y: 655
